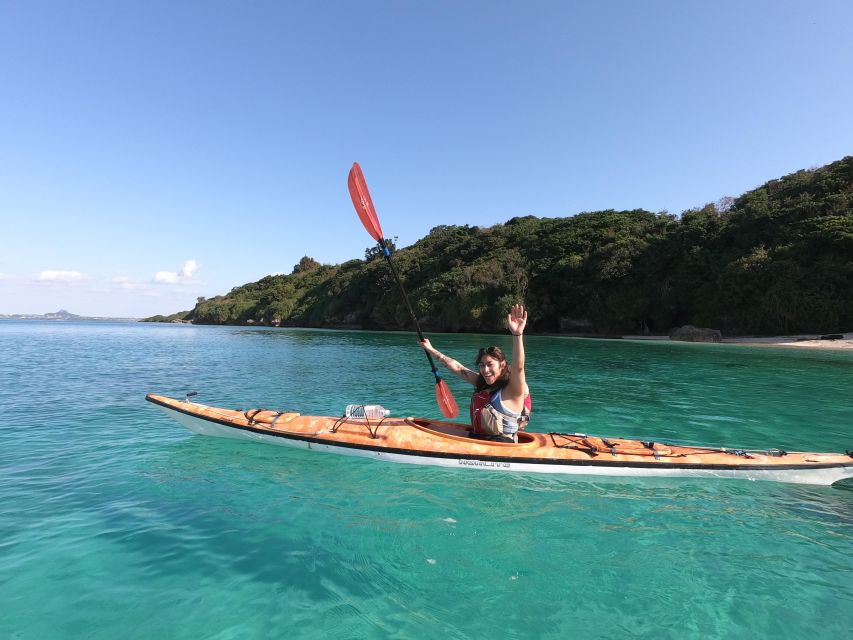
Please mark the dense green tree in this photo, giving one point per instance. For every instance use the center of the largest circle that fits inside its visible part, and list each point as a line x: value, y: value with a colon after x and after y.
x: 778, y: 259
x: 306, y: 263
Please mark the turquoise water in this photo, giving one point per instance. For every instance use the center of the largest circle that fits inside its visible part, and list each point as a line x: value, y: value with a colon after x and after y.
x: 116, y: 522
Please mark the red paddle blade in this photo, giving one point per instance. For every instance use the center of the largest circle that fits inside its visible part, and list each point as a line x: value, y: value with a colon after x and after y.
x: 362, y: 202
x: 445, y: 399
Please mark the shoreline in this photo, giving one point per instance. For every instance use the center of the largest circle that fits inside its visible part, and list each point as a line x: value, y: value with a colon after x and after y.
x: 803, y: 341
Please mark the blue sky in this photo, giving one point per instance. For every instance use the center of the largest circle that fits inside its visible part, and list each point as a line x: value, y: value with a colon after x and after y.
x: 152, y: 152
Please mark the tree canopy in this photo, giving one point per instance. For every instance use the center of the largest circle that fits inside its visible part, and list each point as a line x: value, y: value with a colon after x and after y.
x: 778, y: 259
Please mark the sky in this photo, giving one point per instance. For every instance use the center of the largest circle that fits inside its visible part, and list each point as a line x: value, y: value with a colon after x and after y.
x: 154, y: 151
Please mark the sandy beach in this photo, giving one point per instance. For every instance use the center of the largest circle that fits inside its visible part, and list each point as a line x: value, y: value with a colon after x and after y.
x: 806, y: 341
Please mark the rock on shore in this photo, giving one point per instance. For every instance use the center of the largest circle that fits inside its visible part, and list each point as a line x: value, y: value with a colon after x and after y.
x: 689, y: 333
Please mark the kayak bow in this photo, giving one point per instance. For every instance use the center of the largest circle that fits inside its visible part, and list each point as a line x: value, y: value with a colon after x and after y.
x: 446, y: 444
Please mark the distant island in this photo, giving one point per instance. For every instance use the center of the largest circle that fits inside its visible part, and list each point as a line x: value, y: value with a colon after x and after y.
x: 61, y: 315
x: 777, y: 260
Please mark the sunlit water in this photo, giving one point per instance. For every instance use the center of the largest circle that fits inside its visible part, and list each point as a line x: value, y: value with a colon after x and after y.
x: 117, y: 523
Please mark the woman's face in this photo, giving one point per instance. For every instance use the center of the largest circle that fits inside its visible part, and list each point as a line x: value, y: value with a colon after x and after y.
x: 491, y: 368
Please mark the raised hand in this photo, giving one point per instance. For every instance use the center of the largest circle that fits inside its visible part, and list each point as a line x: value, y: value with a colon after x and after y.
x: 517, y: 319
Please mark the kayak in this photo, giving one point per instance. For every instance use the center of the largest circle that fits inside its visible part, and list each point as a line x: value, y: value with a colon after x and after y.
x: 448, y: 444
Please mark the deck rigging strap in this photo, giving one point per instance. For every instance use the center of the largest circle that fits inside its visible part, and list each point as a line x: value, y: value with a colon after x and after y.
x: 372, y: 429
x: 665, y: 450
x: 250, y: 414
x: 612, y: 445
x: 615, y: 446
x: 581, y: 445
x: 279, y: 415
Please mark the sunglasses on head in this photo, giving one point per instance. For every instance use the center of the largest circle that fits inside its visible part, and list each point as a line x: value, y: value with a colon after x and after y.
x: 494, y: 352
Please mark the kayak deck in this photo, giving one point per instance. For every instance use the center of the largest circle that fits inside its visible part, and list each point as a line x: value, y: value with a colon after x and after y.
x: 425, y: 441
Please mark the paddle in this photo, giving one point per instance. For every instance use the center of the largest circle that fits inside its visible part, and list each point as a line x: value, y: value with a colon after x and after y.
x: 367, y: 214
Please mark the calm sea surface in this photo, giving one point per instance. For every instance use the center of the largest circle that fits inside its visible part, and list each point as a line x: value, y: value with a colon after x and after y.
x: 115, y: 522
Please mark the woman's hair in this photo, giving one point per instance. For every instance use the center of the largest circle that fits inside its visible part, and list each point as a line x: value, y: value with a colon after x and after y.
x: 503, y: 380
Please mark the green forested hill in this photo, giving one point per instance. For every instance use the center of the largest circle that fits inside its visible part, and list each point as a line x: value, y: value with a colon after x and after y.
x: 778, y: 259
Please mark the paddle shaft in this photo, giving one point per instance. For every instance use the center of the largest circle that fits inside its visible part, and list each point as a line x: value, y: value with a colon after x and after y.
x: 387, y: 253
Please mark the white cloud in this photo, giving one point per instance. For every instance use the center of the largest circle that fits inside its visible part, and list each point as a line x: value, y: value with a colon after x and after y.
x: 60, y: 276
x: 189, y: 268
x: 184, y: 276
x: 123, y: 282
x: 166, y: 277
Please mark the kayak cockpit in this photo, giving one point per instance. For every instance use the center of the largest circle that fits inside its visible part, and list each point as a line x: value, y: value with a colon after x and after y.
x: 460, y: 431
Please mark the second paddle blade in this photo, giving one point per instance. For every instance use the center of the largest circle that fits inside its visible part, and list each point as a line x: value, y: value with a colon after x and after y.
x: 445, y: 399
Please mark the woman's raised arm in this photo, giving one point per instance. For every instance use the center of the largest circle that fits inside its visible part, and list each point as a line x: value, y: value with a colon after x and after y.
x: 517, y: 387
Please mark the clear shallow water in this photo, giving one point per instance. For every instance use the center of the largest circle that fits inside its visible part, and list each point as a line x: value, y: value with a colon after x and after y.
x: 116, y: 522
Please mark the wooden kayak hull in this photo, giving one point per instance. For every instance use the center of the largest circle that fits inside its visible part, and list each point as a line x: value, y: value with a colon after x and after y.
x: 445, y: 444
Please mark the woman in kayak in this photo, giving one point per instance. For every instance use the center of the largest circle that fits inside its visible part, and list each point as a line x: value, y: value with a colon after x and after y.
x: 501, y: 403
